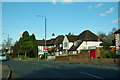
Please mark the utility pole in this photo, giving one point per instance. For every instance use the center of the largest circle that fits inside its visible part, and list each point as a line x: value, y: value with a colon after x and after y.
x: 45, y: 36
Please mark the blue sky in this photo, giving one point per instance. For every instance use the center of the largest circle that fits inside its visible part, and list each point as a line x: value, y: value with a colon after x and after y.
x: 62, y: 18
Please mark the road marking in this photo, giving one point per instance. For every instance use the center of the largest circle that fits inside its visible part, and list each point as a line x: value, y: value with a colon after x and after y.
x: 91, y: 75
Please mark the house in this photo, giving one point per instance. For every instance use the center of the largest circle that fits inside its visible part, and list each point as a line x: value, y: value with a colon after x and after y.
x: 117, y: 41
x: 54, y: 45
x: 70, y: 44
x: 81, y: 42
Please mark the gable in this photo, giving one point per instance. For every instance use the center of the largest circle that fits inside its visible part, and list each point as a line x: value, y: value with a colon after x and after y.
x: 65, y: 39
x: 88, y: 36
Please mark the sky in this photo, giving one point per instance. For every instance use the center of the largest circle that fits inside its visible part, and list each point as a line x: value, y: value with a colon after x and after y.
x: 62, y: 18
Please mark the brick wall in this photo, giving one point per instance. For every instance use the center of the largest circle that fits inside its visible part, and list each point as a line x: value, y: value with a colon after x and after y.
x: 84, y: 57
x: 71, y: 56
x: 96, y: 60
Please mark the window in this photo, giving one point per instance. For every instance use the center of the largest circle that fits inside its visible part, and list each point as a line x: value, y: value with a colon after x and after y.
x: 60, y: 45
x: 65, y: 44
x: 75, y: 43
x: 54, y: 45
x: 119, y: 37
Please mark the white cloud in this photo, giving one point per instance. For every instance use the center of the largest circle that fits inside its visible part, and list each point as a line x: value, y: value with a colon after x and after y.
x: 54, y: 1
x: 99, y: 5
x: 102, y: 14
x: 110, y: 11
x: 19, y: 34
x: 115, y: 21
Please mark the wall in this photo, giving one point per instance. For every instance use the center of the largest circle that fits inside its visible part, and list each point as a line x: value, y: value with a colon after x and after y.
x: 95, y: 60
x: 77, y: 58
x: 117, y: 39
x: 70, y: 56
x: 85, y: 44
x: 50, y: 57
x: 65, y: 40
x: 70, y: 45
x: 40, y: 48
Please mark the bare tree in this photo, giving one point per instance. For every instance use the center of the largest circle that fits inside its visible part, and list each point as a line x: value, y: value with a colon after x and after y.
x: 7, y: 43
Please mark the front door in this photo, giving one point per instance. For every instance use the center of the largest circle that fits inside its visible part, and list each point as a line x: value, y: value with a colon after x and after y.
x: 92, y: 53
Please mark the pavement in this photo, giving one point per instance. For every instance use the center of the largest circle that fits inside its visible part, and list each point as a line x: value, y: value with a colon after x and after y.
x: 6, y: 72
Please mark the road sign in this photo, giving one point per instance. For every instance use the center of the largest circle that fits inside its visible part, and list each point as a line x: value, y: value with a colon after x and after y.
x: 45, y: 47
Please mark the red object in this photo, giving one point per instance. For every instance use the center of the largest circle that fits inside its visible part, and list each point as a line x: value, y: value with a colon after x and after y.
x: 92, y: 53
x: 45, y: 47
x: 7, y: 57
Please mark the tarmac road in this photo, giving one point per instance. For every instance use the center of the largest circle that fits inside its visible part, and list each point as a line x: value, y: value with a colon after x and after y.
x: 50, y: 69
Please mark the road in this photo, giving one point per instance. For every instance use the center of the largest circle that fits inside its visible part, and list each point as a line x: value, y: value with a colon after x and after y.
x: 44, y: 69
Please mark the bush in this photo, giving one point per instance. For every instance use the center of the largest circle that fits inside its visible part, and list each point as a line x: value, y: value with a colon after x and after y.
x: 109, y: 54
x: 84, y: 50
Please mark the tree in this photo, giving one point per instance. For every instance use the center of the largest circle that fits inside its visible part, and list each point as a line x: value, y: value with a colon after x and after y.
x: 107, y: 40
x: 26, y: 45
x: 35, y: 45
x: 7, y: 43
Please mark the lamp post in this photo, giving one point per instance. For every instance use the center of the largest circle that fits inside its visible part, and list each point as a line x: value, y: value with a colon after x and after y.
x: 45, y: 33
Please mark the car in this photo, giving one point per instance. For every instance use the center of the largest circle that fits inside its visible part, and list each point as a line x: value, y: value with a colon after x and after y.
x: 7, y: 57
x: 3, y: 56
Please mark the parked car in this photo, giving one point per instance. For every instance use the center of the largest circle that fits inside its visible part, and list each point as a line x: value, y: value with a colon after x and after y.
x: 7, y: 57
x: 3, y: 56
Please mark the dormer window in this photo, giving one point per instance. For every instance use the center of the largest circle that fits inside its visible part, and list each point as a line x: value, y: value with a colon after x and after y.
x: 79, y: 40
x: 75, y: 43
x: 54, y: 45
x: 65, y: 44
x: 60, y: 45
x: 119, y: 36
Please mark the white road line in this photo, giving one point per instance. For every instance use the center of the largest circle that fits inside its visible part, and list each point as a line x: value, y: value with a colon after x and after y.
x: 91, y: 75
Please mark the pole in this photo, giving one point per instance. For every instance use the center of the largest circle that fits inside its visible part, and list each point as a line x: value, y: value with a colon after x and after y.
x: 45, y: 38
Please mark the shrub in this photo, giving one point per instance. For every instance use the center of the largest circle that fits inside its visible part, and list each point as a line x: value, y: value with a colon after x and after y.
x: 109, y: 54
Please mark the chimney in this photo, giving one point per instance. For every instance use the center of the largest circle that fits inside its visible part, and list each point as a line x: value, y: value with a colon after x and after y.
x: 98, y: 38
x: 53, y: 36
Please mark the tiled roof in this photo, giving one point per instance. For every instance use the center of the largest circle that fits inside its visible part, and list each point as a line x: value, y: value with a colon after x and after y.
x: 72, y: 38
x: 59, y: 40
x: 88, y: 36
x: 41, y: 42
x: 73, y: 48
x: 59, y: 48
x: 118, y: 31
x: 51, y: 42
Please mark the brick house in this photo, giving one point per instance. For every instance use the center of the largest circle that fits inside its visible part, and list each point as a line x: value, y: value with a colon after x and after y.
x: 117, y: 41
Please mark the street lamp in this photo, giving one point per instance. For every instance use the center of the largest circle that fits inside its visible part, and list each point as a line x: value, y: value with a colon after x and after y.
x: 45, y: 33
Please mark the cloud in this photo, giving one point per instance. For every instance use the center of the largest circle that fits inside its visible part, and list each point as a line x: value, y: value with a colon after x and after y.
x: 102, y: 14
x: 115, y: 21
x: 110, y: 11
x: 54, y: 1
x: 19, y: 34
x: 99, y: 5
